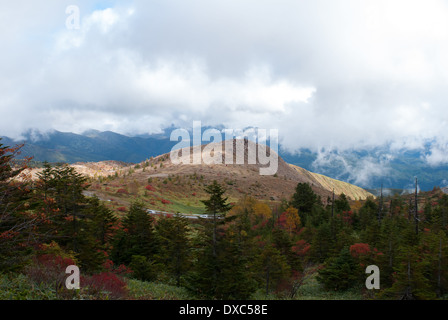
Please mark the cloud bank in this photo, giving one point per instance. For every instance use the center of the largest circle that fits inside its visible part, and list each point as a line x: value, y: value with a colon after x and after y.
x: 329, y: 75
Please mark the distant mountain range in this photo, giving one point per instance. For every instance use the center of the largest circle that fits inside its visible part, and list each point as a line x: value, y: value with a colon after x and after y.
x: 91, y: 146
x: 366, y: 168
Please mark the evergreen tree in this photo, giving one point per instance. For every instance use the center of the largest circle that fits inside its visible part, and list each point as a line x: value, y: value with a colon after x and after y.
x: 204, y: 278
x: 322, y: 242
x: 273, y: 267
x: 217, y: 206
x: 16, y: 224
x: 237, y: 277
x: 410, y: 281
x: 142, y: 268
x: 174, y: 246
x: 340, y: 273
x: 367, y: 214
x: 102, y: 221
x: 95, y: 233
x: 136, y: 238
x: 282, y: 241
x: 304, y: 199
x: 341, y: 204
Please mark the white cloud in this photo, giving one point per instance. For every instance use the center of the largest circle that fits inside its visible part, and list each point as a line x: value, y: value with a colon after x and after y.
x: 438, y: 154
x: 360, y: 172
x: 328, y: 74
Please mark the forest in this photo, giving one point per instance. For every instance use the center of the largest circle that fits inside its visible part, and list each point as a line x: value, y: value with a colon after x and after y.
x: 248, y: 250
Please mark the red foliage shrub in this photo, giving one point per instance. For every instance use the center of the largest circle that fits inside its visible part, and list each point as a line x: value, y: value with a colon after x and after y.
x: 301, y: 248
x: 8, y: 235
x: 150, y: 188
x: 359, y: 249
x: 123, y: 191
x: 347, y: 216
x: 122, y: 209
x: 123, y: 270
x: 109, y: 266
x: 194, y: 194
x: 49, y: 268
x: 164, y: 201
x: 262, y: 224
x: 50, y: 261
x: 105, y: 283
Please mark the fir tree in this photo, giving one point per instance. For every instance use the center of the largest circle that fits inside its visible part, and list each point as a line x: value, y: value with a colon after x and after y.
x: 136, y: 238
x: 174, y: 246
x: 304, y: 199
x: 339, y: 273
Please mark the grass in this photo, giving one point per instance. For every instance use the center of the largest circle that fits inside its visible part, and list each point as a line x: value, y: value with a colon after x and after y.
x: 180, y: 199
x: 20, y: 287
x: 156, y: 291
x: 313, y: 290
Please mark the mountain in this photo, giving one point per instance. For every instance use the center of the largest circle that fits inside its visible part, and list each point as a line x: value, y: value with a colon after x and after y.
x: 91, y: 146
x: 369, y: 168
x: 395, y: 170
x: 239, y: 178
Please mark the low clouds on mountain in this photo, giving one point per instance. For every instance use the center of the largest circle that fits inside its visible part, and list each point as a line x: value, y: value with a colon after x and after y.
x: 329, y: 75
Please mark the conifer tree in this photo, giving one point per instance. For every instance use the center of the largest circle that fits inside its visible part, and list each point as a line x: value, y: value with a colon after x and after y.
x: 341, y: 204
x: 273, y: 267
x: 101, y: 220
x: 203, y: 279
x: 237, y: 277
x: 16, y: 224
x: 174, y: 246
x: 304, y: 199
x: 340, y: 273
x: 217, y: 206
x: 136, y: 238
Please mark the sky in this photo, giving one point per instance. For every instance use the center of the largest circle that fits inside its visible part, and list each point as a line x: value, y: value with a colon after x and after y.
x: 328, y: 74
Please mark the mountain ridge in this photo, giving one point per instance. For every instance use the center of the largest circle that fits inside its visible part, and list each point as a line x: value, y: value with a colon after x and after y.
x: 353, y: 167
x: 243, y: 177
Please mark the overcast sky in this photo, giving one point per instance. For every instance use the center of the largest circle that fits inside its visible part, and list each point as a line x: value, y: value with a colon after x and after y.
x: 327, y: 74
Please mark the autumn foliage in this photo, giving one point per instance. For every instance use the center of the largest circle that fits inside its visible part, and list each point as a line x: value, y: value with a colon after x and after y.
x: 359, y: 249
x: 122, y: 191
x: 150, y: 188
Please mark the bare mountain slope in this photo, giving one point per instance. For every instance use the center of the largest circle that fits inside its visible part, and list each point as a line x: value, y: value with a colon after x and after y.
x: 246, y: 176
x: 239, y: 179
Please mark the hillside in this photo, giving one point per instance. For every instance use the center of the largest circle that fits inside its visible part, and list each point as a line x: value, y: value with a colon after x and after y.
x: 350, y: 190
x: 396, y: 173
x: 179, y: 187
